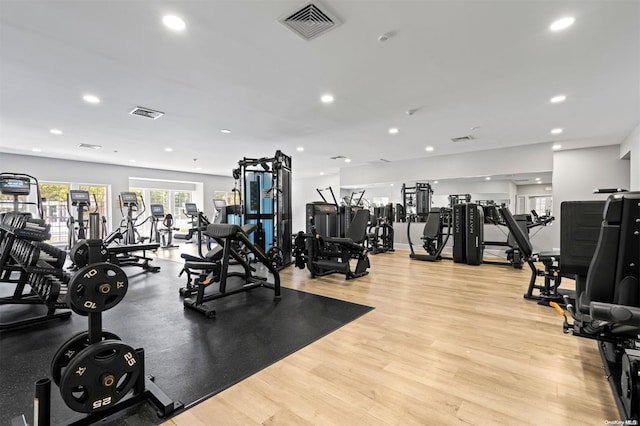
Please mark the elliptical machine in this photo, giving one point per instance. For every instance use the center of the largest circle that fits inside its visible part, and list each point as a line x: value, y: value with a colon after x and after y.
x: 81, y: 200
x: 129, y: 223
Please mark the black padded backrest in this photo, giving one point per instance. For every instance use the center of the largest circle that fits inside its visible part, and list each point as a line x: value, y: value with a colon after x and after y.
x: 627, y: 274
x: 432, y: 227
x: 222, y: 230
x: 600, y: 284
x: 579, y: 232
x: 358, y: 228
x: 520, y: 237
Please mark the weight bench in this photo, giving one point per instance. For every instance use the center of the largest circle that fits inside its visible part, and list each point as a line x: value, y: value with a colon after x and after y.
x: 121, y: 255
x: 548, y: 292
x: 210, y: 263
x: 225, y: 235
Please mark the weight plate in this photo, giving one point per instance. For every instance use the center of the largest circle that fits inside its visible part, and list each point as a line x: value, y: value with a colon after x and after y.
x: 70, y: 349
x: 79, y: 253
x: 275, y: 256
x: 99, y: 376
x: 97, y: 288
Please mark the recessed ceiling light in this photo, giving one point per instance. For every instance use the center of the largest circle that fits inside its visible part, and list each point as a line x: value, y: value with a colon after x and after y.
x: 225, y: 131
x: 36, y: 150
x: 92, y: 99
x: 173, y: 22
x: 391, y: 184
x: 557, y: 99
x: 347, y: 160
x: 55, y: 131
x: 321, y: 173
x: 537, y: 178
x: 393, y: 130
x: 198, y: 168
x: 562, y: 23
x: 556, y: 131
x: 300, y: 149
x: 556, y: 147
x: 168, y: 149
x: 487, y: 178
x: 132, y: 161
x: 327, y: 99
x: 429, y: 149
x: 435, y: 181
x: 538, y: 182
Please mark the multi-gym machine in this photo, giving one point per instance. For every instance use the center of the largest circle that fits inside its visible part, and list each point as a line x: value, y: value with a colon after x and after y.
x: 265, y: 191
x: 416, y: 200
x: 434, y: 238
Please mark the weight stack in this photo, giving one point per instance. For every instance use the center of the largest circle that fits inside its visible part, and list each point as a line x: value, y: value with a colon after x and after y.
x: 474, y: 226
x: 459, y: 234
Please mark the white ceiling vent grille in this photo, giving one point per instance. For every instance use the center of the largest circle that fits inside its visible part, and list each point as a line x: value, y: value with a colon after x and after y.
x: 379, y: 161
x: 146, y: 112
x: 462, y: 139
x: 89, y: 146
x: 310, y: 21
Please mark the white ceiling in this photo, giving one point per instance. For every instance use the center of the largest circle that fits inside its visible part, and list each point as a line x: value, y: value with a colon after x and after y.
x: 492, y: 64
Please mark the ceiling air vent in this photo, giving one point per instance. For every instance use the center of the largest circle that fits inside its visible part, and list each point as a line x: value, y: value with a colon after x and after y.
x: 310, y: 21
x: 378, y: 161
x: 89, y: 146
x: 146, y: 112
x: 462, y: 139
x: 337, y: 157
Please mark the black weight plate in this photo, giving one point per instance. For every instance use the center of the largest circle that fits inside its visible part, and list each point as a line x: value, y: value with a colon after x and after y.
x: 97, y: 288
x: 79, y: 253
x: 100, y: 376
x: 70, y: 348
x: 275, y: 256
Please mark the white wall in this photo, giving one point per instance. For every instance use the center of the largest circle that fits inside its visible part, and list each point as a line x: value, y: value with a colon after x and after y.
x: 631, y: 147
x: 522, y: 159
x: 55, y: 170
x: 577, y: 172
x: 303, y: 191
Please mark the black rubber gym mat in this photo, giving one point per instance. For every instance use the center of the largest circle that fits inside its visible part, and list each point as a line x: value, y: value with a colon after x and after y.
x: 190, y: 356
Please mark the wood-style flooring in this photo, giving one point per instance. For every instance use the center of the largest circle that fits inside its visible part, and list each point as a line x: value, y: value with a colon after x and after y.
x: 446, y: 344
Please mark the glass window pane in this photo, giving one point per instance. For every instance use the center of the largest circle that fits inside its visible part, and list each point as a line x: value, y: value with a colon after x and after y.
x: 54, y: 207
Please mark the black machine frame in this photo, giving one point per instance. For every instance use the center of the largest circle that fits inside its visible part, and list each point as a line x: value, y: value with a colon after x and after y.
x: 274, y: 171
x: 423, y: 193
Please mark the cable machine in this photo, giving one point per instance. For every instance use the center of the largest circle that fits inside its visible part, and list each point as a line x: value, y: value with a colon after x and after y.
x: 416, y: 200
x: 265, y: 191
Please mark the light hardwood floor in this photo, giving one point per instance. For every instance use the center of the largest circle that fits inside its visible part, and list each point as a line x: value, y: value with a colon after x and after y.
x: 445, y: 344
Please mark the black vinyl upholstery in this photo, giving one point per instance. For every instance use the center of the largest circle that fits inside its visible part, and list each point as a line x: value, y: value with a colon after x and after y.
x: 432, y: 226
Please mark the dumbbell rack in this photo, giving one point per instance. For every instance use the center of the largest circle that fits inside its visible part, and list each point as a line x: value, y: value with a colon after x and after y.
x: 97, y: 373
x: 23, y: 252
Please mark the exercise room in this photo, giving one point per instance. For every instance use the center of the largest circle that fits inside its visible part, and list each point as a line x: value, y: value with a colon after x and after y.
x: 319, y: 213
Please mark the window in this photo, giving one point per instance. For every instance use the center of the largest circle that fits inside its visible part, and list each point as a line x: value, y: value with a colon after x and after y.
x: 172, y: 202
x: 178, y: 205
x: 160, y: 197
x: 54, y: 209
x: 542, y: 205
x: 98, y: 195
x: 6, y: 203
